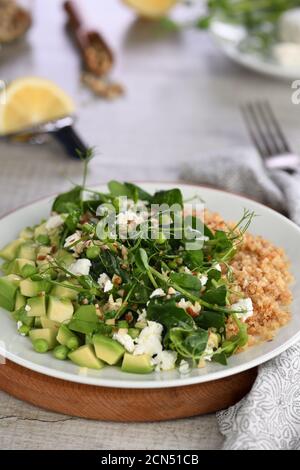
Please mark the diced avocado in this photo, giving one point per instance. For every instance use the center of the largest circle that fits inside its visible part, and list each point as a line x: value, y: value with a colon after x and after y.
x: 10, y: 251
x: 27, y: 251
x: 40, y: 230
x: 8, y: 292
x: 140, y: 325
x: 64, y: 292
x: 85, y: 320
x: 67, y: 338
x: 85, y: 357
x: 31, y: 288
x: 48, y: 334
x: 137, y: 364
x: 108, y: 349
x: 38, y: 323
x: 20, y: 300
x: 26, y: 233
x: 64, y: 258
x: 133, y: 332
x: 43, y: 251
x: 19, y: 263
x: 37, y: 306
x: 59, y: 310
x: 46, y: 323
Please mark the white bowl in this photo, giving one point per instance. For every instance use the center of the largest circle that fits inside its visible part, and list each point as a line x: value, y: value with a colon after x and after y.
x: 270, y: 225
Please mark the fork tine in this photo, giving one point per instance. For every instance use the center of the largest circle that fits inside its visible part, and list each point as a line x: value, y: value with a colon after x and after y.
x: 255, y: 130
x: 285, y: 148
x: 268, y: 128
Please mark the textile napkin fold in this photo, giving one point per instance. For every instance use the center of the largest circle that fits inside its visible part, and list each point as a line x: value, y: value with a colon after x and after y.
x: 269, y: 416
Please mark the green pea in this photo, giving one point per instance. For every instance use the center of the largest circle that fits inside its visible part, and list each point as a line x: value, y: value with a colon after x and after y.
x: 61, y: 352
x: 24, y: 330
x: 40, y: 345
x: 122, y: 324
x: 172, y: 265
x: 73, y: 343
x: 43, y: 239
x: 93, y: 252
x: 133, y: 332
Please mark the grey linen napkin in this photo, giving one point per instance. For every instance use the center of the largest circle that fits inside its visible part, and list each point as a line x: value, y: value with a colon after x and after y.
x: 269, y: 416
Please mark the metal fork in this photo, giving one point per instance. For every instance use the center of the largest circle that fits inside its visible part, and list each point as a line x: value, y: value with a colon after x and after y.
x: 268, y: 137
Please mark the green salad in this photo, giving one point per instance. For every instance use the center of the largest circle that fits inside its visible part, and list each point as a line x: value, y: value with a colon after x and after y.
x: 150, y: 301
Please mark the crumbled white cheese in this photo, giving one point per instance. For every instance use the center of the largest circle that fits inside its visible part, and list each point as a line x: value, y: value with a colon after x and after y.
x: 165, y: 360
x: 19, y: 324
x: 142, y: 315
x: 105, y: 283
x: 287, y: 54
x: 184, y: 367
x: 157, y: 293
x: 75, y: 237
x: 244, y: 307
x: 113, y: 304
x: 54, y: 222
x: 187, y: 270
x: 123, y: 338
x: 171, y: 291
x: 289, y: 26
x: 27, y: 308
x: 212, y: 344
x: 81, y: 267
x: 217, y: 266
x: 149, y: 340
x: 203, y: 278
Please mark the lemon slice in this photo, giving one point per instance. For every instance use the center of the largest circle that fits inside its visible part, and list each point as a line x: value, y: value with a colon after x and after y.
x: 29, y: 101
x: 151, y: 8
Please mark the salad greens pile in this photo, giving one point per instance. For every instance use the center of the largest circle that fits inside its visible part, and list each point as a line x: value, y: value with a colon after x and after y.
x: 142, y: 302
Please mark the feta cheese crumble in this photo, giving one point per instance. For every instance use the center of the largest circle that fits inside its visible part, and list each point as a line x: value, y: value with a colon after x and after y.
x: 54, y: 222
x: 165, y: 360
x: 142, y: 315
x: 158, y: 293
x: 184, y: 367
x: 244, y: 307
x: 105, y: 283
x: 203, y: 278
x: 149, y: 340
x: 123, y: 338
x: 27, y: 308
x: 81, y: 267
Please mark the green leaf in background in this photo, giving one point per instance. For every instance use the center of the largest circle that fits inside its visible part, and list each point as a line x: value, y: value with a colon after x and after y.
x: 129, y: 190
x: 67, y: 202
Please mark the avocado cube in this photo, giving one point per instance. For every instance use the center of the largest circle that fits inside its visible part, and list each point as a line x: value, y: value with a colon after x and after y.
x: 19, y: 263
x: 137, y: 364
x: 46, y: 323
x: 48, y: 334
x: 31, y: 288
x: 26, y: 233
x: 108, y: 349
x: 64, y: 336
x: 64, y: 258
x: 64, y: 292
x: 8, y: 292
x: 40, y: 230
x: 59, y: 310
x: 20, y: 300
x: 85, y: 357
x: 10, y: 251
x: 27, y: 251
x: 37, y: 306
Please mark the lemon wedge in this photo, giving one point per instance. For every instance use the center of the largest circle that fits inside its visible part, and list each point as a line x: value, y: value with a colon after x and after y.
x: 151, y: 8
x: 31, y: 101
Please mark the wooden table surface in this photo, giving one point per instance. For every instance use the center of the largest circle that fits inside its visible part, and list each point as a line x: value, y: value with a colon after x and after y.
x: 182, y: 101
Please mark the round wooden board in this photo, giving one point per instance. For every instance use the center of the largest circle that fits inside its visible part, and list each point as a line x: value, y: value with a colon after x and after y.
x: 123, y: 405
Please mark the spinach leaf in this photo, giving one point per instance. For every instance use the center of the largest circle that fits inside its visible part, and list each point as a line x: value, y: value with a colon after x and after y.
x: 220, y: 358
x: 208, y: 319
x: 186, y: 281
x: 141, y: 260
x: 129, y: 190
x: 189, y: 343
x: 216, y: 295
x: 169, y: 197
x: 108, y: 263
x: 66, y: 202
x: 137, y: 192
x: 193, y: 259
x: 73, y: 219
x: 169, y: 315
x: 208, y: 233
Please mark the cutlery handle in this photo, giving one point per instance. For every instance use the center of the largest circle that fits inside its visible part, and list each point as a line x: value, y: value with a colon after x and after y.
x: 71, y: 141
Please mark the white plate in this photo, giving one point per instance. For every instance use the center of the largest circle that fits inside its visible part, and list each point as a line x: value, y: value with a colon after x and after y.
x: 270, y: 224
x: 228, y: 39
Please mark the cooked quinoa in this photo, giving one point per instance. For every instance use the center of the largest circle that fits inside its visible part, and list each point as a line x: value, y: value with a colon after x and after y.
x: 262, y: 272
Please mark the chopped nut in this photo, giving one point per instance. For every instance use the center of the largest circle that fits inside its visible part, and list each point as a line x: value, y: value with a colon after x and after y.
x: 101, y: 87
x: 117, y: 280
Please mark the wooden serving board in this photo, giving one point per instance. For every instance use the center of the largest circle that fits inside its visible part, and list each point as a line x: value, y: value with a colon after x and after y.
x: 123, y: 405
